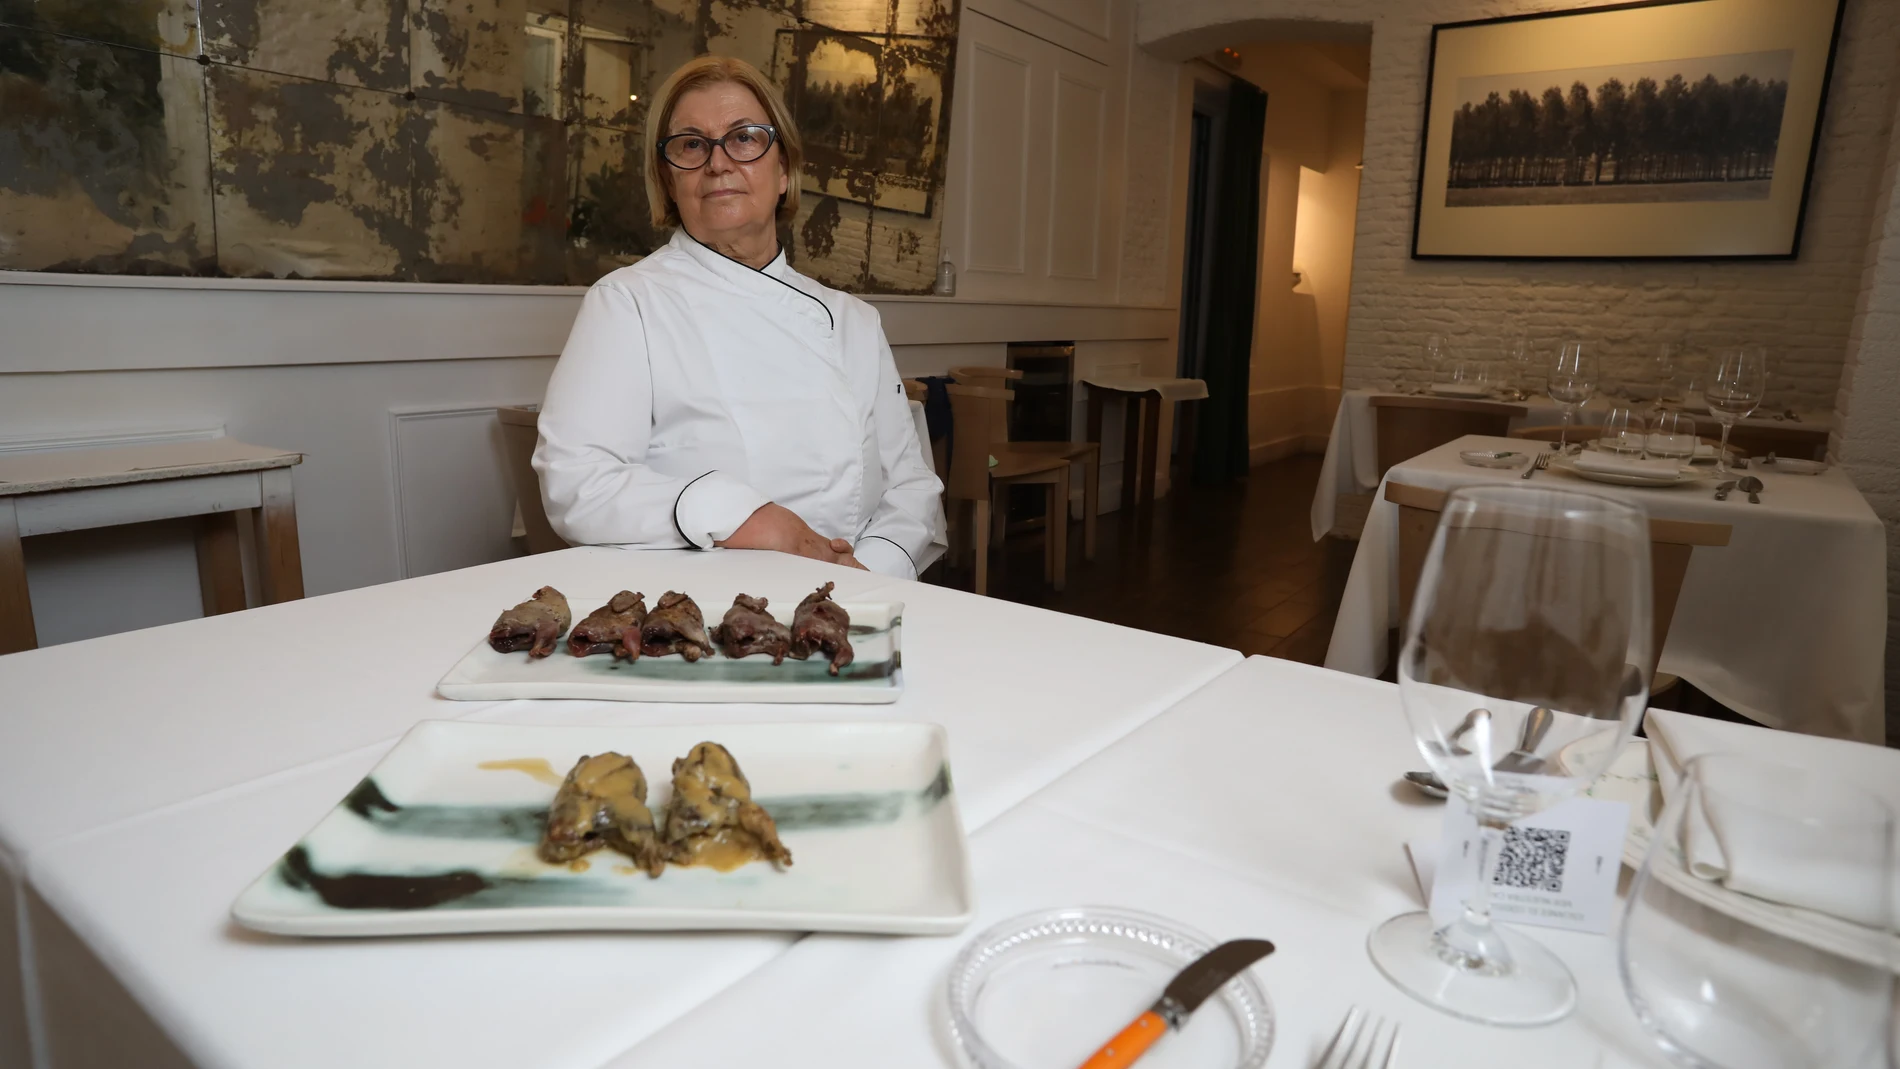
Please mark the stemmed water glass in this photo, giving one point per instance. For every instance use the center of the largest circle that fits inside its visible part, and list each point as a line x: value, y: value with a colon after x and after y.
x: 1573, y: 380
x: 1726, y: 980
x: 1737, y: 386
x: 1518, y: 357
x: 1665, y: 370
x: 1533, y: 612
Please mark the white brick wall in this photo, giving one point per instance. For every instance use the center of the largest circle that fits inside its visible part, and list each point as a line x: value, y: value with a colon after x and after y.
x: 1802, y: 309
x: 1867, y: 420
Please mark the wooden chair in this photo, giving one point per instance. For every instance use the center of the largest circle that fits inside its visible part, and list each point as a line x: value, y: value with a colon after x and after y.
x: 1409, y: 426
x: 981, y: 419
x: 520, y: 431
x: 1086, y: 454
x: 919, y: 392
x: 1670, y: 543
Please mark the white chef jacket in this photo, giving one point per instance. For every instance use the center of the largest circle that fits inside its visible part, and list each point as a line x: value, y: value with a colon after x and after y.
x: 694, y: 389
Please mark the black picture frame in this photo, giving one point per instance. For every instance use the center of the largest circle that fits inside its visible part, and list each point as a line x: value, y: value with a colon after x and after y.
x: 1430, y: 221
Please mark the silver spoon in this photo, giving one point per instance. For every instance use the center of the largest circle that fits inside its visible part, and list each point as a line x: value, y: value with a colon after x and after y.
x: 1752, y: 487
x: 1518, y: 760
x: 1721, y: 492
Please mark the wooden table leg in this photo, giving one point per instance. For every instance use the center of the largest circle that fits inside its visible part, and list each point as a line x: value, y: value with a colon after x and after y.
x: 16, y: 605
x: 279, y: 562
x: 1150, y: 430
x: 1091, y: 490
x: 980, y: 541
x: 220, y: 563
x: 1131, y: 452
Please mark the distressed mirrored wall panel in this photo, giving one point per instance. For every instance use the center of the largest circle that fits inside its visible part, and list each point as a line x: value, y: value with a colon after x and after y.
x: 313, y: 179
x: 470, y: 140
x: 355, y: 42
x: 103, y: 164
x: 154, y: 25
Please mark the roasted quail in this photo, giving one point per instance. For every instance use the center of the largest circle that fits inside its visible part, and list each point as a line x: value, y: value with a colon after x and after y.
x: 534, y: 625
x: 821, y: 625
x: 603, y: 802
x: 675, y: 626
x: 712, y: 819
x: 749, y: 629
x: 613, y: 628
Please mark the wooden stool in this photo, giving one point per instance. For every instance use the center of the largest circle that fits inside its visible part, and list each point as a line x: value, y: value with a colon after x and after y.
x: 1141, y: 424
x: 213, y: 479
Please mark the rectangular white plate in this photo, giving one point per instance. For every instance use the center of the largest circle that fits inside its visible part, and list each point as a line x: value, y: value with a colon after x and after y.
x: 874, y: 677
x: 866, y: 809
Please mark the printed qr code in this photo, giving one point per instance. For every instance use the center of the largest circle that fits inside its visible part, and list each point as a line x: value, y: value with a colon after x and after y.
x: 1533, y: 859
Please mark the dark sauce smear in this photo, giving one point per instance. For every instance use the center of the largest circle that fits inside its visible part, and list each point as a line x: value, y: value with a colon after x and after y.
x: 358, y: 890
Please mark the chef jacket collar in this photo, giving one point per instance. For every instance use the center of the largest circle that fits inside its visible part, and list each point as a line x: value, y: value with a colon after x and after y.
x: 779, y: 272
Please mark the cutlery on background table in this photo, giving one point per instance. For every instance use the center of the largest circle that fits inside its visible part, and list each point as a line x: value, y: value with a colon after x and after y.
x: 1184, y: 994
x: 1721, y: 492
x: 1355, y: 1045
x: 1752, y: 487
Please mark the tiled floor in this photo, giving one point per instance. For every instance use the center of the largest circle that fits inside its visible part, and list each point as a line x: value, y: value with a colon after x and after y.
x: 1236, y: 566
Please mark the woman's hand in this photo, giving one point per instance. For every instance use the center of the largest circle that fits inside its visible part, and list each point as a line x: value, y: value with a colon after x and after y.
x: 776, y: 527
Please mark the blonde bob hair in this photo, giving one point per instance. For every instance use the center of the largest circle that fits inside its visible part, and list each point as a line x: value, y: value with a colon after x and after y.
x: 697, y: 74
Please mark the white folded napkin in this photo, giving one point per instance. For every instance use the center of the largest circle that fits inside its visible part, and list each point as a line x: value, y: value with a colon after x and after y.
x: 1618, y: 464
x: 1813, y: 867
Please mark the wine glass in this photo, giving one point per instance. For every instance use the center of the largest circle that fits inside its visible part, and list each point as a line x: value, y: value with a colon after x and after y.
x: 1518, y: 357
x: 1666, y: 370
x: 1573, y: 379
x: 1625, y: 431
x: 1724, y: 980
x: 1672, y: 436
x: 1734, y: 389
x: 1529, y: 632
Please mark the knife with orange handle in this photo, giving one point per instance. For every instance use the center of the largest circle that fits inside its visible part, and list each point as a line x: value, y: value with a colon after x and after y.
x: 1185, y: 993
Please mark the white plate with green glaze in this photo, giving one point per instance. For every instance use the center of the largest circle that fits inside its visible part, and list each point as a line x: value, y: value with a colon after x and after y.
x: 440, y: 838
x: 875, y: 675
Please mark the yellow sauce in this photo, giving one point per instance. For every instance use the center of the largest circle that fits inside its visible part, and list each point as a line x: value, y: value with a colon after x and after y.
x: 724, y: 850
x: 579, y: 864
x: 537, y: 767
x: 625, y: 870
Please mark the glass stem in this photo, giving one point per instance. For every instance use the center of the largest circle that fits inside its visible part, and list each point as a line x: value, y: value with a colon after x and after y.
x: 1721, y: 453
x: 1491, y: 841
x: 1472, y: 943
x: 1563, y: 429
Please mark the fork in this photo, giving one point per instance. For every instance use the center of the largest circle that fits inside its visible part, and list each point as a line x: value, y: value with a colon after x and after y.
x: 1355, y: 1045
x: 1542, y: 462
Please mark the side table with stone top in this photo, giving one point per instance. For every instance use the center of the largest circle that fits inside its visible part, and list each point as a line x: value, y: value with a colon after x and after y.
x: 213, y: 479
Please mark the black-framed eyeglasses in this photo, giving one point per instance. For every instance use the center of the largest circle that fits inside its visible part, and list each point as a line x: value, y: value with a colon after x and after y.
x: 743, y: 144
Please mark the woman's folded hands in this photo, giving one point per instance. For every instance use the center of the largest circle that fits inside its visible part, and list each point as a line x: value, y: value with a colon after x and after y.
x: 775, y: 527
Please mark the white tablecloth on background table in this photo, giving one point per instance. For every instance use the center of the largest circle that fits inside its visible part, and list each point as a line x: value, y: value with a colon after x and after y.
x: 1265, y: 806
x: 1787, y: 624
x: 182, y: 760
x: 1170, y: 389
x: 1351, y: 464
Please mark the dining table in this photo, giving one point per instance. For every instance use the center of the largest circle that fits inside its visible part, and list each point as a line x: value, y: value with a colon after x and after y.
x: 1351, y: 462
x: 1785, y: 625
x: 1265, y: 802
x: 147, y: 777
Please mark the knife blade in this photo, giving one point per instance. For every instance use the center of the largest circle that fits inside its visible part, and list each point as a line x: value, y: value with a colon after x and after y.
x: 1184, y: 994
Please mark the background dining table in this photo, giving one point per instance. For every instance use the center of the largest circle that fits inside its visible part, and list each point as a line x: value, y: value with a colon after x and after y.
x: 147, y: 777
x: 1351, y: 462
x: 1786, y: 624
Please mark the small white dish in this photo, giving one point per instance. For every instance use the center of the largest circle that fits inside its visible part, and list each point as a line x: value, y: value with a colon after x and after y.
x: 1494, y: 458
x: 1790, y: 465
x: 875, y: 675
x: 1048, y: 989
x: 433, y: 842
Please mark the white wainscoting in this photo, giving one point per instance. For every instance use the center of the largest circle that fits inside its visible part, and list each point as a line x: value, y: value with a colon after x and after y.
x: 453, y: 505
x: 1082, y: 26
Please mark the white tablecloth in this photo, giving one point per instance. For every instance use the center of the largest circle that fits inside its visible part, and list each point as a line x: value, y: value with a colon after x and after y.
x: 1169, y: 389
x: 1264, y: 805
x: 146, y: 778
x: 1351, y: 464
x: 1786, y: 624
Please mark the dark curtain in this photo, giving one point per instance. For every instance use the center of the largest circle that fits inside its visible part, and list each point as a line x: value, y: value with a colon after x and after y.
x: 1220, y: 447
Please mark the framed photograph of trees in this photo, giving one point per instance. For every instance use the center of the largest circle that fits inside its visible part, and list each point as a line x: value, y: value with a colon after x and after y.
x: 1672, y: 129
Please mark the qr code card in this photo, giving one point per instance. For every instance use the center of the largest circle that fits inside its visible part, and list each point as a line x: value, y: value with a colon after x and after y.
x: 1557, y: 868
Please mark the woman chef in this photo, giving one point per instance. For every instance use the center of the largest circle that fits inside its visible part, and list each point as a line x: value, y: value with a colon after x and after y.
x: 710, y: 395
